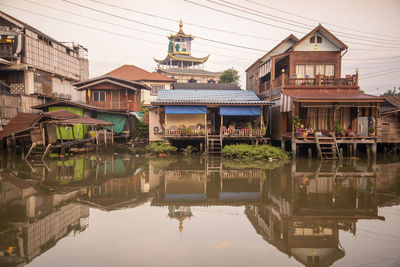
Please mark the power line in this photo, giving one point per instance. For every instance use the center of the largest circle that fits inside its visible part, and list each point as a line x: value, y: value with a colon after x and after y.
x: 372, y: 76
x: 318, y: 21
x: 371, y: 58
x: 188, y: 23
x: 161, y: 28
x: 371, y: 73
x: 238, y: 16
x: 127, y: 27
x: 105, y: 31
x: 268, y: 24
x: 307, y: 26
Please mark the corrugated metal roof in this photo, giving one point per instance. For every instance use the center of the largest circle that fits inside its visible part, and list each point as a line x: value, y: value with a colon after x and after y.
x: 84, y: 120
x: 394, y: 100
x: 205, y: 86
x: 208, y: 96
x: 60, y: 114
x: 21, y: 122
x: 76, y: 104
x: 331, y: 95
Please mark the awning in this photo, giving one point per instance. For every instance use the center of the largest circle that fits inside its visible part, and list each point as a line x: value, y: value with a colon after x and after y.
x: 240, y: 110
x: 185, y: 109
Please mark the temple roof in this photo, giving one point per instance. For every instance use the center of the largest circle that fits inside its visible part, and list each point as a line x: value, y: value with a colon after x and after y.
x: 189, y: 71
x: 180, y: 33
x: 186, y: 59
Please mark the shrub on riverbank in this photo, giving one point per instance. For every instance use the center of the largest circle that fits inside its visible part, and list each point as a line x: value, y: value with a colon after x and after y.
x: 244, y: 151
x: 158, y: 148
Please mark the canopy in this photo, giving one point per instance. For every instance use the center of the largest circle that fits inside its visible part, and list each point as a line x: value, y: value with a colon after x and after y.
x: 240, y: 110
x: 117, y: 120
x: 185, y: 109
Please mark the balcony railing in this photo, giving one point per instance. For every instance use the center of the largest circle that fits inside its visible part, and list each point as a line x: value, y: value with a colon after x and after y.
x: 320, y: 81
x: 241, y: 132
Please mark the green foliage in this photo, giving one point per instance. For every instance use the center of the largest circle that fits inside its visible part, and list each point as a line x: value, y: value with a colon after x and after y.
x: 391, y: 92
x: 244, y: 151
x: 230, y: 76
x: 158, y: 148
x: 338, y: 128
x: 371, y: 129
x: 143, y: 108
x: 296, y: 122
x: 188, y: 131
x: 189, y: 150
x: 252, y: 164
x: 142, y: 129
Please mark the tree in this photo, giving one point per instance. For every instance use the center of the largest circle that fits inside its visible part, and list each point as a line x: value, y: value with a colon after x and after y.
x: 391, y: 92
x: 230, y: 76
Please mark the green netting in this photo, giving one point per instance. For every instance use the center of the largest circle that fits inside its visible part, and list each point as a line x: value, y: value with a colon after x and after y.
x: 112, y: 169
x: 79, y: 130
x: 118, y: 120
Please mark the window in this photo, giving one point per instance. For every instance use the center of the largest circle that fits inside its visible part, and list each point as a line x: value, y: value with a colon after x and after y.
x: 318, y: 38
x: 309, y: 71
x: 156, y: 87
x: 192, y: 80
x: 99, y: 96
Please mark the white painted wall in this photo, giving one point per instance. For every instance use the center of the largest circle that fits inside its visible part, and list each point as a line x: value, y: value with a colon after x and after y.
x: 29, y: 82
x: 65, y: 87
x: 326, y: 45
x: 154, y: 121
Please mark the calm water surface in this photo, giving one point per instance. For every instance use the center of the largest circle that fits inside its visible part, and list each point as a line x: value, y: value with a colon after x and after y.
x: 118, y: 209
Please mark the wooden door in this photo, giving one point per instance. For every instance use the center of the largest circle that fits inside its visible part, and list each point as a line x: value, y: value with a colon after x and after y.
x: 115, y: 99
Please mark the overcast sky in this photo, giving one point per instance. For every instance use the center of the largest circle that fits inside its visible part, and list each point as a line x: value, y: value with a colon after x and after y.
x: 133, y: 32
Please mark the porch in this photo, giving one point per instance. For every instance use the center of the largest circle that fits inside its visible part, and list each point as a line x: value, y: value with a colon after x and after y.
x: 213, y: 125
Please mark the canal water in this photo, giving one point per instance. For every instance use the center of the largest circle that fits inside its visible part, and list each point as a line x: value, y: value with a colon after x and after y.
x: 119, y: 209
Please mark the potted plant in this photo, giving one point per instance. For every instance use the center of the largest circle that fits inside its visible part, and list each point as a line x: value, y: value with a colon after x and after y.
x: 339, y: 130
x: 296, y: 124
x: 188, y: 131
x: 371, y: 130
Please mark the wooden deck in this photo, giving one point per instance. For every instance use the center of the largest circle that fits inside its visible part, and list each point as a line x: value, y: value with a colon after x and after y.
x: 352, y: 140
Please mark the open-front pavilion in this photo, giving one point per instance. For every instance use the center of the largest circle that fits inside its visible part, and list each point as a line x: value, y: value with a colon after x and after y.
x: 323, y: 112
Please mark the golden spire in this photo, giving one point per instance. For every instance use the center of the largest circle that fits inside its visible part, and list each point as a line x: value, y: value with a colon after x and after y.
x: 180, y: 27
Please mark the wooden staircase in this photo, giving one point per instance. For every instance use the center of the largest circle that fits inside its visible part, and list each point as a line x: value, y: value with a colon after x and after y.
x: 328, y: 147
x: 37, y: 152
x: 214, y: 144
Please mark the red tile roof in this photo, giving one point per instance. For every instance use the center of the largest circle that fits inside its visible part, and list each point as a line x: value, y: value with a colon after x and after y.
x: 155, y: 76
x: 128, y: 72
x: 21, y: 122
x: 133, y: 73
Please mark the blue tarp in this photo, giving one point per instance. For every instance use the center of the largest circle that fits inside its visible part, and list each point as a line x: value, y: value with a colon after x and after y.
x: 185, y: 109
x: 240, y: 110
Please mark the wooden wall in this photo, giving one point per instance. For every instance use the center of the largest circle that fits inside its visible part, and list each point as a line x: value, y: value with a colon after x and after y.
x: 315, y: 58
x: 388, y: 128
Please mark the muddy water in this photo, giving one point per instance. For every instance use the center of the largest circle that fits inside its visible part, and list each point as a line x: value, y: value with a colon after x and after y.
x: 122, y: 210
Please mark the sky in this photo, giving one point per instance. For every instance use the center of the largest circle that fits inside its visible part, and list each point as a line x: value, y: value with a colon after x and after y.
x: 234, y: 32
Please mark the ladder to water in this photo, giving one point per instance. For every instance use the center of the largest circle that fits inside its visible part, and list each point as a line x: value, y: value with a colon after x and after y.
x: 328, y: 147
x: 214, y: 144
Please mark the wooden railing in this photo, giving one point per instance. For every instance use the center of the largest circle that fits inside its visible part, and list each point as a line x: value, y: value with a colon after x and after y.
x: 109, y: 105
x: 181, y: 132
x: 241, y: 132
x: 319, y: 81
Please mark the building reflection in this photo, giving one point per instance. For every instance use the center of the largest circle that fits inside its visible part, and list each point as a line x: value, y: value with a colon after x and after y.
x: 32, y: 221
x: 42, y: 203
x: 305, y: 210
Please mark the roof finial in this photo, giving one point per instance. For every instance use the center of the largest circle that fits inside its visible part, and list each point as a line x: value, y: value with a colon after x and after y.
x: 180, y: 25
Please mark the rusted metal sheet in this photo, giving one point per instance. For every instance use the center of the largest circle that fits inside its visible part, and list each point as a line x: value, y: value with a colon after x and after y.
x: 20, y: 123
x: 331, y: 95
x: 82, y: 120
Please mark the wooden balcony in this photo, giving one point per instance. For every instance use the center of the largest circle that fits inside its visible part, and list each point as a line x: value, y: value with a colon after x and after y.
x: 320, y: 81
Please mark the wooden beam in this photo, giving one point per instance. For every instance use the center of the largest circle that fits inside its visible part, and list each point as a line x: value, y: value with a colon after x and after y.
x: 105, y: 136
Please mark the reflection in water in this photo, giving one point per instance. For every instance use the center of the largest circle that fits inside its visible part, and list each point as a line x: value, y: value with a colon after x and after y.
x: 299, y: 208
